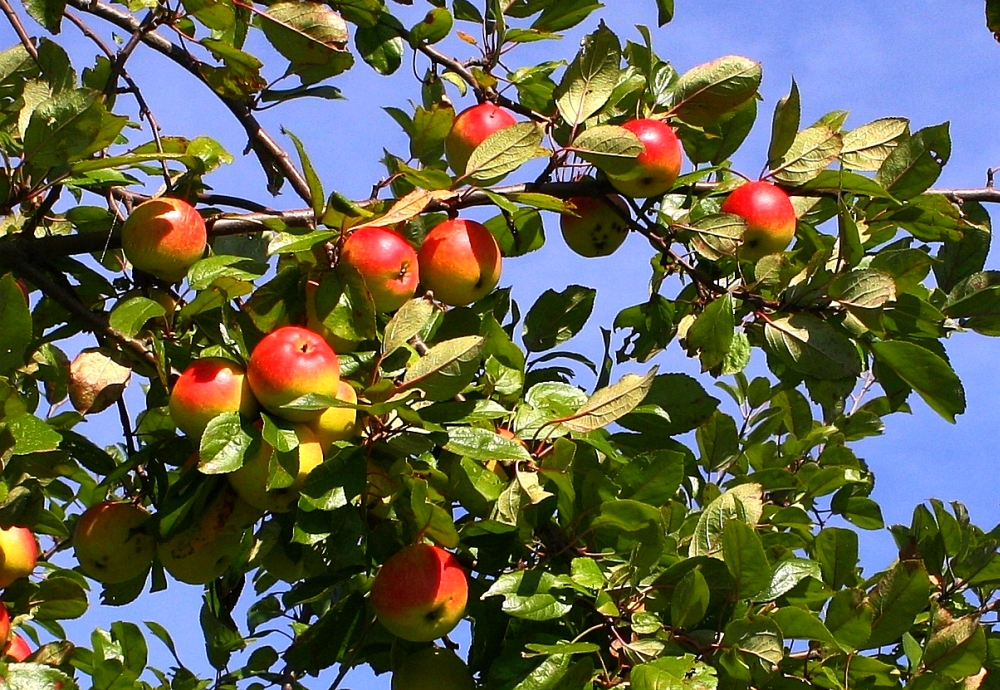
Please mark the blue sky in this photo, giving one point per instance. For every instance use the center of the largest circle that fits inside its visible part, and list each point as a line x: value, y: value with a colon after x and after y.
x: 929, y: 61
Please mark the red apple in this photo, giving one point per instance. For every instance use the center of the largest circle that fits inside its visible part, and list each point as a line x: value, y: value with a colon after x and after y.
x: 289, y: 363
x: 769, y: 215
x: 164, y: 237
x: 4, y: 625
x: 386, y: 262
x: 18, y: 554
x: 206, y: 389
x: 420, y: 593
x: 657, y: 167
x: 471, y: 128
x: 109, y: 543
x: 460, y: 261
x: 596, y: 229
x: 17, y: 649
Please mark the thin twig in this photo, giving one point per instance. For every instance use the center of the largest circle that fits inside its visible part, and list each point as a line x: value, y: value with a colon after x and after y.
x: 15, y: 22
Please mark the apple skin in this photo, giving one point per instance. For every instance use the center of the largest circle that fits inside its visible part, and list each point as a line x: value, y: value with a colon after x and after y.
x: 471, y: 128
x: 433, y: 669
x: 4, y: 625
x: 420, y: 593
x: 288, y: 363
x: 164, y: 237
x: 460, y: 262
x: 657, y: 167
x: 17, y: 648
x: 206, y: 389
x: 386, y: 262
x: 769, y: 215
x: 18, y: 554
x: 313, y: 323
x: 597, y: 229
x: 108, y: 545
x: 250, y: 481
x: 337, y: 423
x: 205, y: 550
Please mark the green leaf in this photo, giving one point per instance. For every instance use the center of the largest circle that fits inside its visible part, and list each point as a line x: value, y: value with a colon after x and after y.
x: 958, y: 650
x: 344, y: 305
x: 849, y: 618
x: 717, y: 235
x: 407, y: 322
x: 915, y: 164
x: 559, y: 16
x: 865, y: 288
x: 219, y: 15
x: 744, y: 555
x: 626, y: 515
x: 812, y: 151
x: 674, y: 673
x: 718, y: 440
x: 760, y: 637
x: 446, y: 369
x: 800, y: 624
x: 561, y: 648
x: 784, y: 125
x: 526, y: 235
x: 527, y: 595
x: 16, y: 319
x: 311, y: 36
x: 483, y: 444
x: 609, y: 404
x: 664, y: 12
x: 993, y: 17
x: 69, y: 127
x: 741, y: 503
x: 434, y: 27
x: 555, y: 317
x: 48, y: 13
x: 676, y: 403
x: 926, y: 373
x: 812, y: 347
x: 611, y: 148
x: 223, y: 445
x: 58, y: 598
x: 690, y: 600
x: 867, y: 147
x: 312, y: 179
x: 506, y: 150
x: 706, y: 92
x: 712, y: 332
x: 901, y: 595
x: 836, y: 549
x: 428, y: 132
x: 130, y: 316
x: 787, y: 574
x: 591, y: 78
x: 959, y: 259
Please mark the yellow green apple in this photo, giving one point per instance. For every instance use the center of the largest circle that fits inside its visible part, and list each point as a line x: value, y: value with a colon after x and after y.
x: 164, y: 237
x: 206, y: 549
x: 337, y: 423
x: 250, y: 481
x: 595, y: 228
x: 18, y: 554
x: 110, y: 543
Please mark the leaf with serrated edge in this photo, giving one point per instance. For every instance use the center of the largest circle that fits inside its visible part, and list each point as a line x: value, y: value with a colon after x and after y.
x: 591, y: 78
x: 743, y: 502
x: 867, y: 147
x: 506, y: 150
x: 813, y: 150
x: 483, y: 444
x: 407, y: 208
x: 409, y: 320
x: 609, y: 404
x: 707, y: 91
x: 864, y: 288
x: 813, y: 347
x: 440, y: 356
x: 611, y: 148
x: 717, y: 235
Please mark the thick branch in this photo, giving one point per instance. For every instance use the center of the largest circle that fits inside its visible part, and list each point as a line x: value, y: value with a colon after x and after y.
x: 261, y: 141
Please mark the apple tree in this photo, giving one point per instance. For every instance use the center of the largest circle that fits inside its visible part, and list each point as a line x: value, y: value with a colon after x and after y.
x: 346, y: 423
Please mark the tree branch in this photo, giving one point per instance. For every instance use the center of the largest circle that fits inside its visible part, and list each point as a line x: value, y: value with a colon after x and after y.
x: 15, y: 22
x: 267, y: 149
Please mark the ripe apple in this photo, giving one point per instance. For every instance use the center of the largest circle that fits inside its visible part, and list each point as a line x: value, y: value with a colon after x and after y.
x: 17, y: 648
x: 420, y: 593
x: 337, y: 423
x: 164, y: 237
x: 205, y: 550
x: 460, y: 261
x: 206, y: 389
x: 386, y: 262
x: 597, y: 229
x: 18, y: 554
x: 289, y: 363
x: 769, y: 215
x: 250, y: 481
x: 433, y: 668
x: 4, y: 624
x: 314, y: 324
x: 471, y: 128
x: 657, y: 167
x: 109, y: 543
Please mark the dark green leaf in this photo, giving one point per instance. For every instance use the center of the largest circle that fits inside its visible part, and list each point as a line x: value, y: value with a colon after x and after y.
x: 557, y: 316
x: 926, y: 373
x: 785, y: 124
x: 915, y: 164
x: 744, y: 555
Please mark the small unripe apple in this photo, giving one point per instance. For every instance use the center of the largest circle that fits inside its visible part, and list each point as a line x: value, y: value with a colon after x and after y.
x: 206, y: 389
x: 337, y: 423
x: 420, y: 593
x: 596, y: 229
x: 18, y: 554
x: 460, y: 261
x: 250, y: 481
x: 657, y: 167
x: 313, y: 323
x: 433, y: 669
x: 205, y: 550
x: 769, y: 215
x: 109, y: 544
x: 17, y: 648
x: 164, y: 237
x: 386, y: 262
x: 289, y: 363
x: 471, y: 128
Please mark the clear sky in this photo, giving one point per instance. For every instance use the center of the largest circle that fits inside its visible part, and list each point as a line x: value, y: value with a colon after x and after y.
x: 929, y: 61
